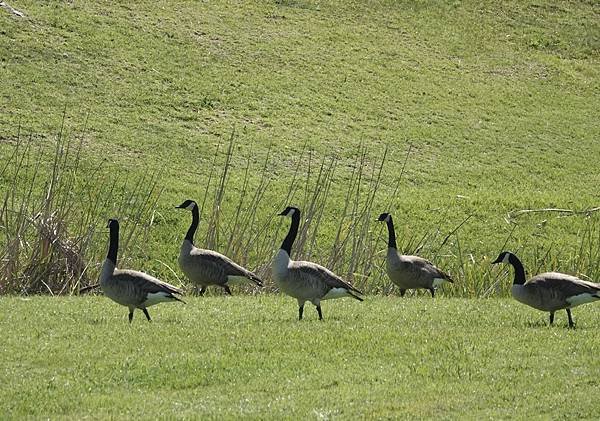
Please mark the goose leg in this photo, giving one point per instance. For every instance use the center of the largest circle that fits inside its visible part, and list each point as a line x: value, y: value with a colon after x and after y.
x: 130, y: 315
x: 202, y: 291
x: 147, y: 314
x: 402, y: 292
x: 300, y: 308
x: 551, y: 318
x: 571, y: 324
x: 432, y: 292
x: 319, y: 311
x: 227, y: 290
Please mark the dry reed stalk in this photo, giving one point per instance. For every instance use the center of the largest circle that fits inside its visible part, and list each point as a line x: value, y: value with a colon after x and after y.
x: 50, y: 232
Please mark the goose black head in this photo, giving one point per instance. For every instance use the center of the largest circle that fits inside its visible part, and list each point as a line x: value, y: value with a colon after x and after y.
x: 504, y: 257
x: 384, y: 217
x: 112, y: 223
x: 289, y: 211
x: 187, y: 204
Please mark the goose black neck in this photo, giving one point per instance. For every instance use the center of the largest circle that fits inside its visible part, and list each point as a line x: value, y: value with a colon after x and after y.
x: 192, y: 230
x: 519, y: 270
x: 291, y: 235
x: 113, y: 246
x: 391, y: 233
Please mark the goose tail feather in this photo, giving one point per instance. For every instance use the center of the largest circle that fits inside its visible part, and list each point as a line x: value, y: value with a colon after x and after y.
x: 178, y: 299
x: 256, y: 280
x: 356, y: 297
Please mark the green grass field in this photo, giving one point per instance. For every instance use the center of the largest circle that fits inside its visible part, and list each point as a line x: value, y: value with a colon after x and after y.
x: 226, y: 357
x: 484, y: 108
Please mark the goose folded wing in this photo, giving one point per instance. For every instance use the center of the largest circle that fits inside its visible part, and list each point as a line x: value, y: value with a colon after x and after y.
x: 143, y: 282
x: 221, y: 263
x: 568, y: 285
x: 325, y: 275
x: 425, y: 267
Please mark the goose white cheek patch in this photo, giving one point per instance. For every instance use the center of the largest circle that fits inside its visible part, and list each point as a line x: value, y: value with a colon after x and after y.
x: 191, y: 206
x: 506, y: 258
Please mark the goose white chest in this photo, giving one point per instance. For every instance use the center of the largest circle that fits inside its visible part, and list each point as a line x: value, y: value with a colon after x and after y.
x: 280, y: 265
x: 520, y: 294
x: 108, y: 269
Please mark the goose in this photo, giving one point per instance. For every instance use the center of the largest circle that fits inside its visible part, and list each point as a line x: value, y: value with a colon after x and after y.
x: 549, y: 291
x: 131, y: 288
x: 207, y: 267
x: 410, y: 272
x: 306, y: 281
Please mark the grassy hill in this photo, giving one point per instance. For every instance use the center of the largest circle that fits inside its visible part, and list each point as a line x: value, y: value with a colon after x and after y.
x: 485, y: 108
x: 452, y: 115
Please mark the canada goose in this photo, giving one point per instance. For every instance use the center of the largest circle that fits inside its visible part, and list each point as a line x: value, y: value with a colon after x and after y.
x: 207, y: 267
x: 410, y: 272
x: 131, y: 288
x: 306, y: 281
x: 549, y: 291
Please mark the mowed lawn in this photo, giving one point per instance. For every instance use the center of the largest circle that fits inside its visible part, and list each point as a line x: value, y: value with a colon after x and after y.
x: 227, y: 357
x: 486, y: 108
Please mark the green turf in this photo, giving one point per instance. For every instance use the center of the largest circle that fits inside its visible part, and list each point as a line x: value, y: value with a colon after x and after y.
x: 227, y: 357
x: 499, y: 101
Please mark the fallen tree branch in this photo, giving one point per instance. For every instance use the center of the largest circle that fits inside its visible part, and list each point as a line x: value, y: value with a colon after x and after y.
x: 514, y: 214
x: 11, y: 9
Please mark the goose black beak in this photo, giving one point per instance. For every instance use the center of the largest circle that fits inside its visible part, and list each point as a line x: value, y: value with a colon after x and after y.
x: 496, y: 261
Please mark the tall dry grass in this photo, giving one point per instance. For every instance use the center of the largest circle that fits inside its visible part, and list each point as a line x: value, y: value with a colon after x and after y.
x: 243, y: 230
x: 355, y: 252
x: 54, y: 208
x: 53, y: 213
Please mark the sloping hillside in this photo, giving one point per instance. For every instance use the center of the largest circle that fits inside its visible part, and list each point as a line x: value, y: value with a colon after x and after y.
x: 489, y: 107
